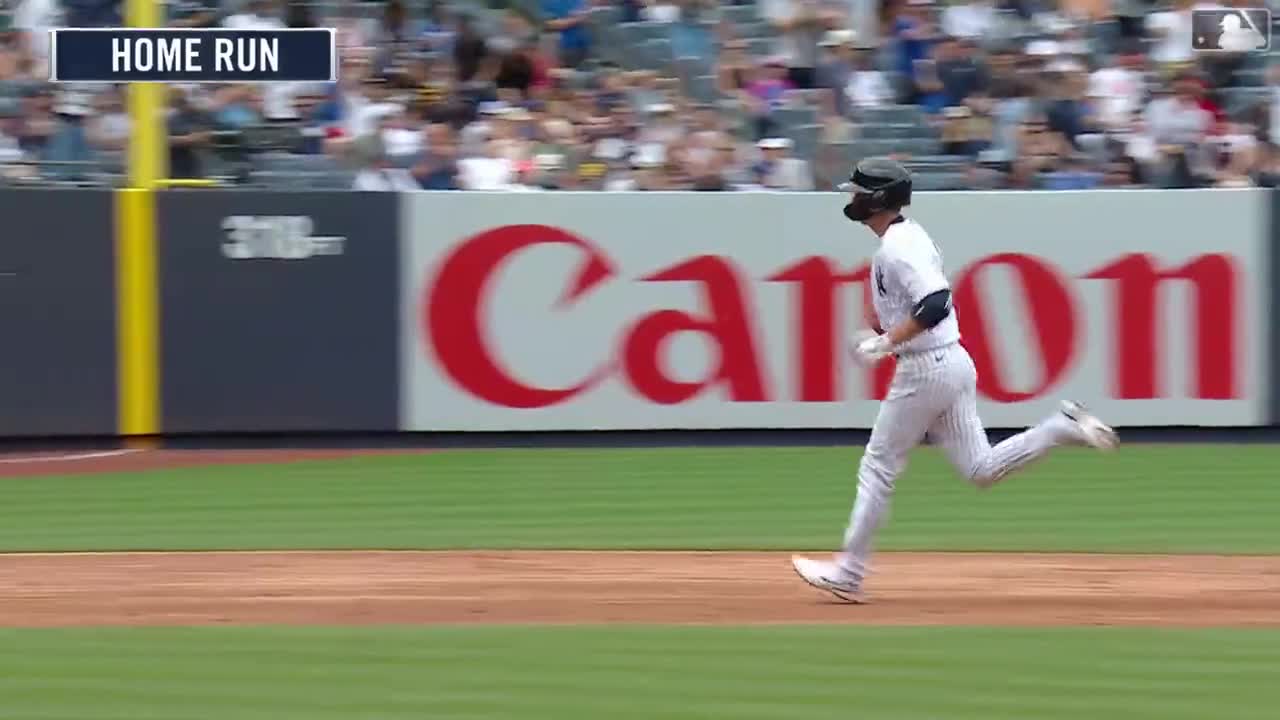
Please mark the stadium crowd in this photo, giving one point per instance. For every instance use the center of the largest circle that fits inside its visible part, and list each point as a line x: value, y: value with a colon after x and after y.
x: 678, y: 95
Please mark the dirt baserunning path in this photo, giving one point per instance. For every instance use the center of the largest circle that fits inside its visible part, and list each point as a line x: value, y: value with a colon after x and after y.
x: 349, y: 588
x: 340, y: 588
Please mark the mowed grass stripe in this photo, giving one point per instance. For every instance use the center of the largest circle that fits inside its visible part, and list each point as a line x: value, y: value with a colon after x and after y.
x: 491, y: 673
x: 1159, y: 498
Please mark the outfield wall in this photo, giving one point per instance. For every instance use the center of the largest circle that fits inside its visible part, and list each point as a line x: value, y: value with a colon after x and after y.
x: 376, y: 312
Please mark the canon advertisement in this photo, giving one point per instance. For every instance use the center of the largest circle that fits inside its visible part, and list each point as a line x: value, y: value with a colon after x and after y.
x: 629, y: 311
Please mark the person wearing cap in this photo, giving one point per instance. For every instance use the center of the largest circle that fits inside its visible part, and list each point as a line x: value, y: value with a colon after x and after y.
x: 836, y: 64
x: 664, y: 127
x: 800, y: 25
x: 778, y: 170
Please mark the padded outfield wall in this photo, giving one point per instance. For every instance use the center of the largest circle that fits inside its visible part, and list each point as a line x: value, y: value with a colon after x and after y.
x: 376, y: 312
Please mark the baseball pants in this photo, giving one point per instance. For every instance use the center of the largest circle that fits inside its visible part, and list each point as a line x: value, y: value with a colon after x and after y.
x: 934, y: 394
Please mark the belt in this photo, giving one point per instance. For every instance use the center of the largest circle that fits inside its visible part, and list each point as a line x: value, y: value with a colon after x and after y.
x: 913, y: 353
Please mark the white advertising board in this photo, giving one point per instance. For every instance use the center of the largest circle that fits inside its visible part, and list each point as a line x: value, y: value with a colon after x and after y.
x: 588, y: 311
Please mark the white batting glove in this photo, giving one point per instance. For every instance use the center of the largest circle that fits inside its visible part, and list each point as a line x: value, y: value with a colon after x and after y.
x: 870, y: 347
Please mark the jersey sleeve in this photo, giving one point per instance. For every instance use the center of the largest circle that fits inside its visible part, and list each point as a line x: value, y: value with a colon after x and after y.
x: 919, y: 275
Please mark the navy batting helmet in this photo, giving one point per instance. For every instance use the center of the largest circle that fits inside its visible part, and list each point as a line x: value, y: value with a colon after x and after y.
x: 877, y: 184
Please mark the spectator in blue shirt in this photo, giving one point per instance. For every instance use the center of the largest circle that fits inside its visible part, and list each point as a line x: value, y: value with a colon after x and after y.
x: 569, y: 18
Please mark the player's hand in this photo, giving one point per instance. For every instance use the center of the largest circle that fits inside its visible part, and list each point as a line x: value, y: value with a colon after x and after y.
x: 870, y: 347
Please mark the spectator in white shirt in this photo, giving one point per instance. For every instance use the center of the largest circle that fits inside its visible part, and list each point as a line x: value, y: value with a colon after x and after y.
x: 378, y: 175
x: 257, y: 15
x: 1119, y: 88
x: 490, y: 171
x: 970, y: 20
x: 868, y: 87
x: 778, y: 170
x: 1172, y: 31
x: 1176, y: 119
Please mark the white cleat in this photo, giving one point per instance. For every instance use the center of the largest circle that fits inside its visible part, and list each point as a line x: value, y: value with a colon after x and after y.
x: 1093, y: 431
x: 829, y: 577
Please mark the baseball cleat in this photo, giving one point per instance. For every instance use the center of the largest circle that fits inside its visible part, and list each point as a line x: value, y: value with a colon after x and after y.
x: 829, y: 577
x: 1093, y: 431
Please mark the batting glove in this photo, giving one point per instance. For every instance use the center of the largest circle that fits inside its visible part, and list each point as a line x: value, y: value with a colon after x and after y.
x: 870, y: 348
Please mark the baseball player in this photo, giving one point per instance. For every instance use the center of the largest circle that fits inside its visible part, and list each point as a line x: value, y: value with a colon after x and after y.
x: 934, y: 388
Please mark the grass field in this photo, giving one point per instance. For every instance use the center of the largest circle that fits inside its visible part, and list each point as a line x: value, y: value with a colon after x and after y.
x: 1218, y: 499
x: 1146, y: 499
x: 639, y: 673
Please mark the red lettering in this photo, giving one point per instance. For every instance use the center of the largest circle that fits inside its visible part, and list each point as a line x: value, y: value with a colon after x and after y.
x: 1052, y: 312
x: 817, y: 322
x: 815, y: 326
x: 454, y: 305
x: 1134, y: 324
x: 726, y: 324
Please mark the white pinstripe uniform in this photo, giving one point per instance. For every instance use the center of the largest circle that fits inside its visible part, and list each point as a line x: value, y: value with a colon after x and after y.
x: 933, y: 394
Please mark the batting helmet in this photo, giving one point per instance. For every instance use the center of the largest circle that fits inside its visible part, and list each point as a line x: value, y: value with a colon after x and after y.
x: 877, y: 184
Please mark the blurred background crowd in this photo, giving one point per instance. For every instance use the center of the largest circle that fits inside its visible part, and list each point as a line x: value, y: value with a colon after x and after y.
x: 715, y: 95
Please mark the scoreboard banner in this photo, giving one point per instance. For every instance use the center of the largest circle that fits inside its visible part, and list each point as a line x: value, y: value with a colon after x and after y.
x: 120, y: 55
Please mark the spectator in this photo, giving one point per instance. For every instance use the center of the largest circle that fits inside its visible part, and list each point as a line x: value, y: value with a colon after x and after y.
x: 257, y: 15
x: 778, y: 169
x: 195, y: 13
x: 836, y: 65
x: 1120, y: 175
x: 801, y: 24
x: 236, y: 107
x: 33, y: 19
x: 438, y: 31
x: 1039, y: 148
x: 377, y: 174
x: 959, y: 71
x: 437, y: 167
x: 929, y: 93
x: 767, y: 94
x: 108, y: 127
x: 1233, y: 155
x: 1068, y: 112
x: 734, y: 71
x: 965, y: 132
x: 914, y: 34
x: 469, y: 49
x: 1268, y: 171
x: 401, y: 139
x: 972, y: 20
x: 867, y: 87
x: 568, y: 20
x: 1072, y: 173
x: 1171, y: 29
x: 189, y: 136
x: 490, y: 170
x: 1177, y: 118
x: 38, y: 121
x: 1119, y: 88
x: 68, y: 150
x: 298, y: 14
x: 691, y: 37
x: 520, y: 68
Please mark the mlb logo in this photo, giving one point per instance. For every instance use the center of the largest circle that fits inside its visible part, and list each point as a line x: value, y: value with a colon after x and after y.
x: 1235, y: 30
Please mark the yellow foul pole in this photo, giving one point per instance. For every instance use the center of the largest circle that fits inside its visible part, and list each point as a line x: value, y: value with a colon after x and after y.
x: 137, y: 282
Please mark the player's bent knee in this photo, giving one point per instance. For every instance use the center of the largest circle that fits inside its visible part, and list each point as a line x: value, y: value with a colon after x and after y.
x: 983, y: 476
